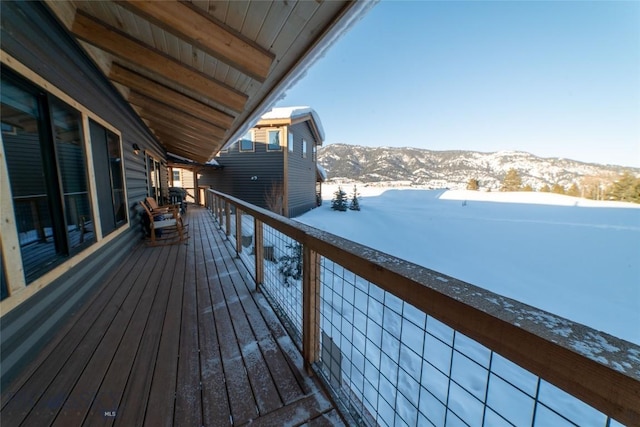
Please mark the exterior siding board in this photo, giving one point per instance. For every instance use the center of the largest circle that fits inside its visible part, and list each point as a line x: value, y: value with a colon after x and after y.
x: 235, y: 178
x: 302, y: 172
x: 31, y: 35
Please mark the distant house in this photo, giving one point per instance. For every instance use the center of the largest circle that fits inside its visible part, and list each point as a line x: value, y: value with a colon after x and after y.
x: 274, y: 165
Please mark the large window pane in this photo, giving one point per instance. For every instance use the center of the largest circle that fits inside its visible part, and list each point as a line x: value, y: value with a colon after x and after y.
x: 107, y: 163
x: 67, y: 126
x: 25, y: 146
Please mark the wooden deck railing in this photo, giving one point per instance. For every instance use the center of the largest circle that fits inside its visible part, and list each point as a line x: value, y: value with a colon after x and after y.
x: 593, y: 367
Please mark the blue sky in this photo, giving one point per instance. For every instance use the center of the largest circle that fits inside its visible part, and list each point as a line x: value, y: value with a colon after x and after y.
x: 553, y: 78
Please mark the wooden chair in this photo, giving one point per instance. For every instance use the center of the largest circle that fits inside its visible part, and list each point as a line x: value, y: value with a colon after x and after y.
x: 154, y: 207
x: 165, y: 228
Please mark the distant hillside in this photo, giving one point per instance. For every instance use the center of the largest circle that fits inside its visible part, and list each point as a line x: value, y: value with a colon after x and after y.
x: 454, y: 169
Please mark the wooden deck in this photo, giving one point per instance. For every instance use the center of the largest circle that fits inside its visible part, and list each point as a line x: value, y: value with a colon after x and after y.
x: 176, y: 336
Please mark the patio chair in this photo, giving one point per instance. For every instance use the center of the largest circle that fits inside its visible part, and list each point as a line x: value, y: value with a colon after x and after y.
x: 165, y: 228
x: 166, y: 209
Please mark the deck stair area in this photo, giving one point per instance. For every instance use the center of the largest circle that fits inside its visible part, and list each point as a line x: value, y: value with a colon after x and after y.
x: 176, y: 335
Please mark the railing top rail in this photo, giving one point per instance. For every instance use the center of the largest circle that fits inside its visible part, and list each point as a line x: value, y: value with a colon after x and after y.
x: 598, y: 368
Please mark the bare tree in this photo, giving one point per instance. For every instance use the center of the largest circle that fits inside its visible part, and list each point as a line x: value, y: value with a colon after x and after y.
x: 274, y: 198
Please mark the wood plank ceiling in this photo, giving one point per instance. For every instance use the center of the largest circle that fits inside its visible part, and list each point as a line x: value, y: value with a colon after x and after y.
x: 201, y: 72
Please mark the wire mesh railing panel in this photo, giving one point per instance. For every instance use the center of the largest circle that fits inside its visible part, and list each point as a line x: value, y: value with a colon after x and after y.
x: 387, y: 362
x: 248, y: 243
x: 393, y: 365
x: 283, y: 277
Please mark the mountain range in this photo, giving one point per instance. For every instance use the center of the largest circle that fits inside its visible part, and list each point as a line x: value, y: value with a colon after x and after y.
x: 391, y: 166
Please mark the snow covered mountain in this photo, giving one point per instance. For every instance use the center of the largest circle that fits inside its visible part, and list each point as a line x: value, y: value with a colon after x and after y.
x: 453, y: 169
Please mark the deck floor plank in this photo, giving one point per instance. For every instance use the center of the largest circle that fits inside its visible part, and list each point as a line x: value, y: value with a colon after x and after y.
x: 161, y: 402
x: 215, y: 401
x: 175, y: 335
x: 49, y: 385
x: 77, y: 399
x: 188, y: 396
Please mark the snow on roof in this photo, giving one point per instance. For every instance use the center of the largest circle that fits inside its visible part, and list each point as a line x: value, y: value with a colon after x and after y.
x: 321, y: 172
x: 292, y: 113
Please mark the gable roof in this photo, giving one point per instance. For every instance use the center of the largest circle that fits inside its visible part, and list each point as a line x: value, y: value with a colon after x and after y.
x: 288, y: 116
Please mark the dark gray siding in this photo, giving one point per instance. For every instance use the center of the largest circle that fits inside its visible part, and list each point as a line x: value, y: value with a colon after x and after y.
x: 266, y: 167
x: 33, y: 36
x: 301, y: 172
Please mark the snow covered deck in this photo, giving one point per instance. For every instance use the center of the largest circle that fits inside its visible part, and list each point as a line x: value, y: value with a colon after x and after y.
x: 176, y: 336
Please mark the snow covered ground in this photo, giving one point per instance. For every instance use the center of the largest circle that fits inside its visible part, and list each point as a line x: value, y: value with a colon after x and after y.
x: 577, y: 258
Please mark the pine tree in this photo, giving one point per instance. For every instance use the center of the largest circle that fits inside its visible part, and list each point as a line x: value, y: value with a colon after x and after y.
x: 512, y: 181
x: 626, y: 189
x: 291, y: 264
x: 339, y: 201
x: 355, y: 203
x: 527, y: 187
x: 574, y: 190
x: 545, y: 189
x: 473, y: 184
x: 557, y: 188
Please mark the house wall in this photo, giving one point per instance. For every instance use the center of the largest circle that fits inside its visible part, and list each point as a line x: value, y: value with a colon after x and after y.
x: 248, y: 175
x: 39, y: 49
x: 301, y: 171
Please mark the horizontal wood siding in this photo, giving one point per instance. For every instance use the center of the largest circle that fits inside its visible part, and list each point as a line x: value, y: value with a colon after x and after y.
x: 33, y: 37
x: 239, y: 167
x: 301, y: 171
x: 31, y: 34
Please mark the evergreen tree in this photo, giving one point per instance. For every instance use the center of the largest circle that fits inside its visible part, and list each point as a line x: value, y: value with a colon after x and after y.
x: 339, y: 201
x: 545, y: 189
x: 573, y: 190
x: 527, y: 187
x: 512, y: 181
x: 626, y: 189
x: 557, y: 188
x: 355, y: 203
x: 473, y: 184
x: 291, y: 264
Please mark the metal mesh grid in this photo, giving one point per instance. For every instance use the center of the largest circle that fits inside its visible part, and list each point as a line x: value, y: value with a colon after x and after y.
x: 283, y: 277
x: 391, y: 364
x: 396, y: 366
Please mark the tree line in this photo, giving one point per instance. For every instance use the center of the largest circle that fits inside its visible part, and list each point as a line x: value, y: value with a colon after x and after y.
x: 625, y: 188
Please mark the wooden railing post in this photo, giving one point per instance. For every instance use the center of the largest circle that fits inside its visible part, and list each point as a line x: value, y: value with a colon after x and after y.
x: 227, y: 212
x: 258, y: 236
x: 238, y: 231
x: 310, y: 307
x: 220, y: 207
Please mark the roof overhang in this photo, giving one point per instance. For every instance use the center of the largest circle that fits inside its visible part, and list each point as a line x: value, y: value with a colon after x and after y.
x: 201, y: 75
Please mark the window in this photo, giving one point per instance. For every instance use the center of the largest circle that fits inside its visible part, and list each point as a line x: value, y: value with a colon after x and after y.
x: 107, y: 163
x: 176, y: 175
x: 46, y: 163
x: 290, y: 141
x: 154, y: 183
x: 304, y: 148
x: 314, y: 152
x: 246, y: 143
x: 273, y: 140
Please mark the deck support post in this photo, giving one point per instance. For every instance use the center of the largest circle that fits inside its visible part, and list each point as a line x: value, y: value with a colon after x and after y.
x: 238, y: 231
x: 258, y: 236
x: 227, y: 212
x: 310, y: 307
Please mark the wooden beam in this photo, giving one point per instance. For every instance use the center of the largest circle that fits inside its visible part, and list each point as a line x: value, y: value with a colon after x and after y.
x: 177, y: 126
x: 182, y: 134
x: 142, y: 84
x: 113, y: 41
x: 155, y: 107
x: 199, y: 30
x: 195, y: 144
